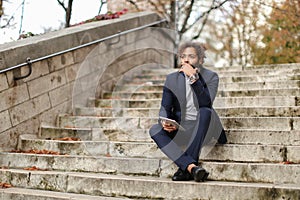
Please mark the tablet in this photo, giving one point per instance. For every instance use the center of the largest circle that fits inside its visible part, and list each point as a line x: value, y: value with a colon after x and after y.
x: 171, y: 121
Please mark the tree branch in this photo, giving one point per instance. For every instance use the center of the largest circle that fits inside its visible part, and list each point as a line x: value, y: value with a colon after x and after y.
x: 8, y: 22
x: 101, y: 5
x: 134, y: 4
x: 205, y: 13
x: 187, y: 16
x: 204, y: 22
x: 62, y: 5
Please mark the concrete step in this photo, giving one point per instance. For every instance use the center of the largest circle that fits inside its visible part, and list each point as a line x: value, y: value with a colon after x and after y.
x: 222, y: 86
x: 50, y: 132
x: 251, y: 153
x: 260, y: 78
x: 264, y: 137
x: 260, y: 85
x: 36, y: 194
x: 224, y: 78
x: 221, y: 93
x: 281, y: 111
x: 226, y: 112
x: 91, y: 148
x: 257, y: 123
x: 228, y: 152
x: 220, y: 102
x: 257, y: 92
x: 237, y: 76
x: 134, y: 186
x: 231, y: 69
x: 274, y: 67
x: 254, y: 71
x: 223, y: 102
x: 76, y: 163
x: 137, y: 135
x: 222, y: 171
x: 124, y: 103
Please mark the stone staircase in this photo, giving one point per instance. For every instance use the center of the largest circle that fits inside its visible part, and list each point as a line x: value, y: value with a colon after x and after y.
x: 116, y: 159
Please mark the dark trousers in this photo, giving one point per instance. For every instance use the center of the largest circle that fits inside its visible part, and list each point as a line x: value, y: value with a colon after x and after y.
x: 183, y: 147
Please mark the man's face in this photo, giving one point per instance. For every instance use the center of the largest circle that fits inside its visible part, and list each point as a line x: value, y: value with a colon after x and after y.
x: 189, y: 55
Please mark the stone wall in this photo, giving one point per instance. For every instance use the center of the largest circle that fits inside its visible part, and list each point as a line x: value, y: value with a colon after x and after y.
x: 60, y: 83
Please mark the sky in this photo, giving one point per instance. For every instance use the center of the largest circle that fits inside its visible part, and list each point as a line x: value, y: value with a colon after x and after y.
x: 43, y: 14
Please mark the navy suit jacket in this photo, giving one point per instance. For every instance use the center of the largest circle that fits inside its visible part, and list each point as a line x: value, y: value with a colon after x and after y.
x: 174, y: 93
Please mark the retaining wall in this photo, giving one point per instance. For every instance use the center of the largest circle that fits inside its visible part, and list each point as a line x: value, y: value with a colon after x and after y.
x: 60, y: 83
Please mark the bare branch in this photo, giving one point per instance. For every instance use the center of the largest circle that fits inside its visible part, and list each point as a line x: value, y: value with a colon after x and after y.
x: 187, y: 16
x: 102, y: 2
x: 203, y: 23
x: 8, y: 22
x: 134, y: 4
x: 159, y: 7
x: 62, y: 5
x: 22, y: 15
x: 205, y: 13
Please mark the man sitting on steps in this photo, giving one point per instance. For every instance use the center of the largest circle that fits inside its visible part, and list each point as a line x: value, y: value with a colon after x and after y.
x: 187, y: 98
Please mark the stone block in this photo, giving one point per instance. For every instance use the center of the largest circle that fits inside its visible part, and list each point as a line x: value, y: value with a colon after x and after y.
x: 46, y: 83
x: 29, y: 109
x: 3, y: 82
x: 244, y: 153
x: 53, y: 132
x: 258, y: 123
x: 81, y: 54
x: 293, y: 154
x: 61, y: 94
x: 296, y: 121
x: 13, y: 96
x: 276, y: 173
x: 71, y: 72
x: 61, y: 61
x: 263, y: 137
x: 127, y: 149
x: 88, y: 148
x: 40, y: 180
x: 49, y: 117
x: 5, y: 122
x: 39, y: 69
x: 10, y: 137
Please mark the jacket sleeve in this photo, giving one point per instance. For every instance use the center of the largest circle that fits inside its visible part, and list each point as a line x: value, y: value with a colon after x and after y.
x: 202, y: 93
x: 213, y: 85
x: 166, y: 103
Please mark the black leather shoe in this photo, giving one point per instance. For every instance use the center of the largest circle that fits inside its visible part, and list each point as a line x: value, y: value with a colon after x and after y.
x: 199, y: 174
x: 181, y: 175
x: 222, y: 139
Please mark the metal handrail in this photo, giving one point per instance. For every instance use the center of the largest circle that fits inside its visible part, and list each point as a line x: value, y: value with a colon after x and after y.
x: 78, y: 47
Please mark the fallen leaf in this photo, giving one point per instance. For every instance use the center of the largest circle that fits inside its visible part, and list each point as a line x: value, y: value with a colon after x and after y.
x: 67, y: 139
x: 5, y: 185
x: 36, y: 151
x: 287, y: 162
x: 34, y: 168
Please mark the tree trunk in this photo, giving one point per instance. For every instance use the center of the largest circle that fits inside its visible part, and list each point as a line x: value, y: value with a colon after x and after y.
x: 69, y: 13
